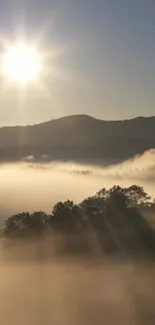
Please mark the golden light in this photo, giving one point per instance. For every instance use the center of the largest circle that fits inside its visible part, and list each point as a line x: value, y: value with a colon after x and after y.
x: 22, y: 63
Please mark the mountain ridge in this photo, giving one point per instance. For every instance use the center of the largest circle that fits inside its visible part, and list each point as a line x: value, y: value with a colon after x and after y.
x: 81, y: 116
x: 89, y: 136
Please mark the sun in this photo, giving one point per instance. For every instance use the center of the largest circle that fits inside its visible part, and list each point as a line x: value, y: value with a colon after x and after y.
x: 22, y: 63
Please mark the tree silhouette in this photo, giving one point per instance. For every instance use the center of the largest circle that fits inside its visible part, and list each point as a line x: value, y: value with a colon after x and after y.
x: 17, y: 225
x: 95, y: 204
x: 38, y: 222
x: 65, y: 216
x: 25, y: 224
x: 114, y: 215
x: 137, y: 196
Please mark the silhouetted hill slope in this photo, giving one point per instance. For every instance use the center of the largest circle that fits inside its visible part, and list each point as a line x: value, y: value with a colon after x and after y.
x: 79, y: 137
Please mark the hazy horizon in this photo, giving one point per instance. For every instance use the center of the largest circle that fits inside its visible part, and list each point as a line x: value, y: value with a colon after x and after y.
x: 80, y: 114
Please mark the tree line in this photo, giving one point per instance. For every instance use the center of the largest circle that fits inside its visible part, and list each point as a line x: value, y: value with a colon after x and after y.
x: 68, y: 216
x: 114, y: 215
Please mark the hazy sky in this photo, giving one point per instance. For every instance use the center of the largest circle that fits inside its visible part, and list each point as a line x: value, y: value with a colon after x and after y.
x: 103, y: 61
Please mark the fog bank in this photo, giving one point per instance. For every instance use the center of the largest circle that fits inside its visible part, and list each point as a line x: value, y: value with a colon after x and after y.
x: 28, y: 186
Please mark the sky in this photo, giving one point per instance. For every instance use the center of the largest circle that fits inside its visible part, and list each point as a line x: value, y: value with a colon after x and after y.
x: 101, y: 62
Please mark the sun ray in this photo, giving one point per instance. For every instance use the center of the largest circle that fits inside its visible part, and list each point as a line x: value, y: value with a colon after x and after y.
x: 27, y: 63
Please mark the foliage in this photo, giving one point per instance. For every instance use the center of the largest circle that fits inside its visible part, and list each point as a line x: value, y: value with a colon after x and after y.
x: 24, y: 224
x: 113, y: 214
x: 65, y: 216
x: 136, y: 196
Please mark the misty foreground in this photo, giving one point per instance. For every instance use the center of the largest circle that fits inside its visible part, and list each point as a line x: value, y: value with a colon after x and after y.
x: 85, y: 263
x: 76, y: 291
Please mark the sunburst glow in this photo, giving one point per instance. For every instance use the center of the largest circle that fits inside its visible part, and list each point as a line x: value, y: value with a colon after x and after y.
x: 22, y: 63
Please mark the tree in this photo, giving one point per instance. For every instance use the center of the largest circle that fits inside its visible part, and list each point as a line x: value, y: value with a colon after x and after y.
x: 95, y: 204
x: 24, y: 224
x: 65, y: 216
x: 136, y: 196
x: 38, y: 222
x: 17, y: 225
x: 117, y: 196
x: 133, y: 196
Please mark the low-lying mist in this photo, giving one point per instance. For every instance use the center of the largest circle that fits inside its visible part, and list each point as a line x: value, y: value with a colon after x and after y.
x: 30, y: 186
x: 40, y: 283
x: 76, y: 292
